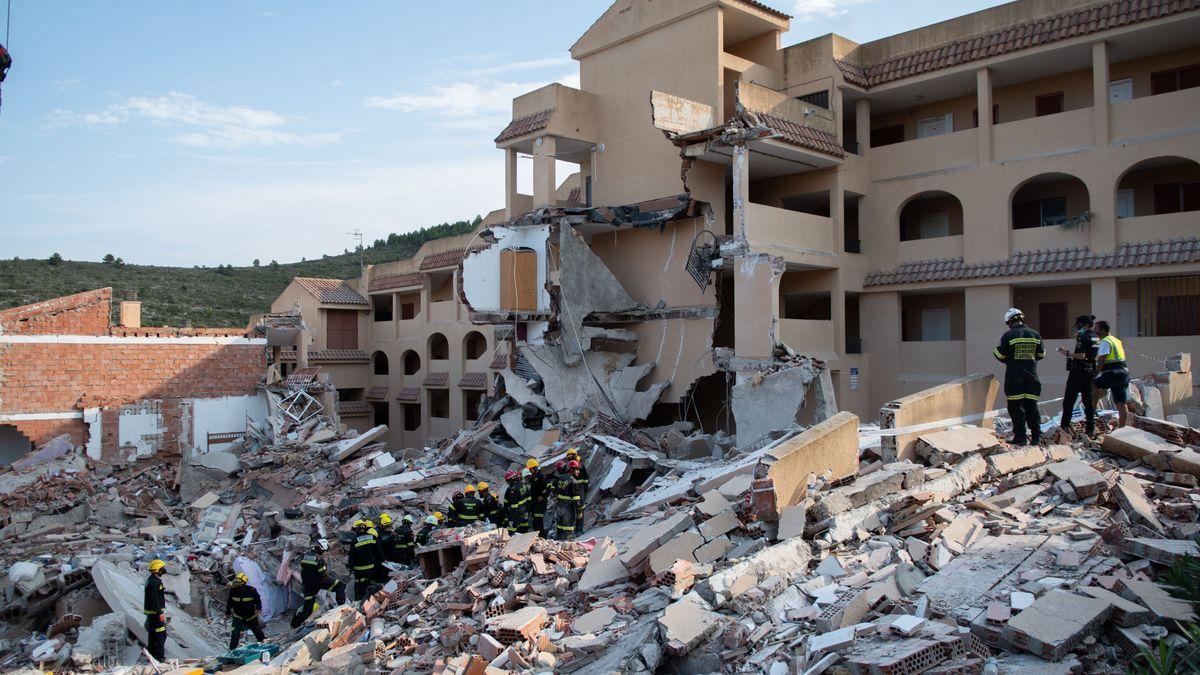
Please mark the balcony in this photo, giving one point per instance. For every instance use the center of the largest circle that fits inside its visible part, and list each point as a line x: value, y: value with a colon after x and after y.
x: 1048, y: 237
x: 445, y: 310
x: 807, y: 336
x: 934, y: 153
x: 935, y: 248
x: 1035, y: 136
x: 926, y: 363
x: 1157, y: 228
x: 789, y: 233
x: 552, y: 110
x: 1154, y: 115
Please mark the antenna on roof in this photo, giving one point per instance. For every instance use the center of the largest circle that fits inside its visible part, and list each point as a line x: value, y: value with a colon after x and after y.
x: 357, y: 233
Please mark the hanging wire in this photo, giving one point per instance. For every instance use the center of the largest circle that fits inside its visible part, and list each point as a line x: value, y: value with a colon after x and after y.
x: 8, y: 25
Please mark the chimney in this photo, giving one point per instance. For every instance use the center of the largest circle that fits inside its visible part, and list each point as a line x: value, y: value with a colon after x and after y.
x: 131, y: 311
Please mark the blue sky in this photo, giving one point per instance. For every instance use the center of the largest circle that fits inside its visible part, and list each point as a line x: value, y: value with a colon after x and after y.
x: 184, y: 132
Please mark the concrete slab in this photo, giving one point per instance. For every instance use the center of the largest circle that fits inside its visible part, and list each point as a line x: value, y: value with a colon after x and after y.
x: 951, y: 446
x: 680, y: 547
x: 829, y: 448
x: 1055, y: 624
x: 1156, y: 598
x: 965, y: 396
x: 1085, y: 480
x: 686, y: 623
x: 346, y: 447
x: 791, y: 522
x: 785, y: 560
x: 1134, y: 443
x: 1125, y: 612
x: 719, y: 524
x: 123, y: 590
x: 772, y: 403
x: 713, y: 550
x: 593, y: 621
x: 1133, y: 501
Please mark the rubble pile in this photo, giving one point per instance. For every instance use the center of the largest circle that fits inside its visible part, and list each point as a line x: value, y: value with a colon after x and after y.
x: 805, y: 550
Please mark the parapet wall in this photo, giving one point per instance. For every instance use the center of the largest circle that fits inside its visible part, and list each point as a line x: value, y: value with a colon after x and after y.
x: 971, y: 395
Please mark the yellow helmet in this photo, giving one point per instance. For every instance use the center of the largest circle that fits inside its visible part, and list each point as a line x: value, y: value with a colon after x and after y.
x: 469, y: 489
x: 360, y: 523
x: 240, y: 579
x: 157, y: 565
x: 531, y: 464
x: 572, y: 452
x: 385, y: 519
x: 482, y: 486
x: 369, y: 523
x: 438, y: 515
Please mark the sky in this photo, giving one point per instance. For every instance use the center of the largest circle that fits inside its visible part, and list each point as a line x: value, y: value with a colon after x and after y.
x: 206, y: 132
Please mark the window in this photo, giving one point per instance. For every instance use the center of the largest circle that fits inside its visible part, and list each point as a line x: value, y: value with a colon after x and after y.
x: 471, y: 399
x: 408, y: 310
x: 412, y: 362
x: 1052, y: 320
x: 412, y: 416
x: 1177, y: 197
x: 474, y: 345
x: 439, y: 403
x: 935, y: 325
x: 1169, y: 306
x: 887, y: 135
x: 439, y: 347
x: 379, y: 413
x: 341, y: 329
x: 1165, y: 81
x: 1048, y: 104
x: 1040, y: 213
x: 810, y: 306
x: 995, y: 115
x: 935, y: 126
x: 818, y: 98
x: 1120, y: 90
x: 381, y: 307
x: 379, y: 363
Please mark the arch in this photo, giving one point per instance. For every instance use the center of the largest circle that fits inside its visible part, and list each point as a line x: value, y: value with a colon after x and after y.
x: 930, y: 214
x: 474, y: 345
x: 1158, y: 185
x: 412, y: 362
x: 13, y: 444
x: 1048, y: 199
x: 439, y: 347
x: 379, y: 363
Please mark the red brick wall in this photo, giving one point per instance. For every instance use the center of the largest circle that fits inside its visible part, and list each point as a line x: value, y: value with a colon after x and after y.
x: 79, y: 314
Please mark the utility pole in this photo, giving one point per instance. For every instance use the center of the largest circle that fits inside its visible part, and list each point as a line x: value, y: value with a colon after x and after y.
x: 357, y: 233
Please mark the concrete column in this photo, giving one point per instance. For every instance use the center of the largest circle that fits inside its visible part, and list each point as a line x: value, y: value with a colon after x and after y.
x: 837, y: 212
x: 862, y: 122
x: 837, y: 302
x: 1105, y: 298
x: 741, y: 189
x: 302, y: 348
x: 1100, y: 94
x: 880, y: 314
x: 510, y: 182
x: 756, y: 302
x: 985, y: 307
x: 983, y: 102
x: 544, y: 182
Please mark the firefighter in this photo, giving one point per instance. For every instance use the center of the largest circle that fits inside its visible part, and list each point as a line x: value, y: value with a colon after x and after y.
x: 387, y: 538
x: 539, y: 493
x: 315, y: 577
x: 489, y: 505
x: 1019, y: 350
x: 405, y: 543
x: 566, y: 492
x: 364, y: 559
x: 516, y: 502
x: 154, y: 606
x: 426, y: 531
x: 1081, y: 368
x: 1114, y: 373
x: 245, y: 605
x: 453, y: 517
x: 472, y: 508
x: 582, y: 477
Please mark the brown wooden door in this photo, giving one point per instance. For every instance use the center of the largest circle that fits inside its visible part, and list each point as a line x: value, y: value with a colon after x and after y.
x: 518, y: 280
x: 1052, y: 320
x: 341, y: 329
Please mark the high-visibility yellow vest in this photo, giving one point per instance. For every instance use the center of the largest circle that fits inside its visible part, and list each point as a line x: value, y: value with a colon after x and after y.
x: 1116, y: 352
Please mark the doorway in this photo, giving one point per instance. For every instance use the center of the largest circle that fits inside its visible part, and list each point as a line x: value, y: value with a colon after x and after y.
x: 935, y: 325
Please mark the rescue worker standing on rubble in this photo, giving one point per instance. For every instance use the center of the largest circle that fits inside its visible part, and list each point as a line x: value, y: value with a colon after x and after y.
x: 1114, y: 373
x: 405, y: 543
x: 245, y: 605
x: 516, y: 501
x: 314, y: 577
x: 154, y: 606
x: 582, y: 476
x: 1081, y: 368
x: 381, y: 572
x: 490, y: 506
x: 453, y: 519
x: 387, y: 538
x: 1019, y: 350
x: 472, y: 508
x: 364, y: 559
x: 539, y: 493
x: 426, y: 531
x: 566, y: 492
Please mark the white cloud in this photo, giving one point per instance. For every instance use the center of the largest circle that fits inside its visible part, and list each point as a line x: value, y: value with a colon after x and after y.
x: 516, y: 66
x: 65, y: 84
x: 202, y: 124
x: 821, y: 9
x: 482, y: 104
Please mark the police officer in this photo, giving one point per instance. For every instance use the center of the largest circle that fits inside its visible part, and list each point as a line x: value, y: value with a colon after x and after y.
x: 1019, y: 350
x: 566, y: 492
x: 516, y: 502
x: 539, y: 493
x: 154, y: 606
x: 387, y: 538
x: 489, y: 505
x: 405, y: 542
x: 1114, y: 373
x: 365, y: 559
x: 1081, y: 368
x: 245, y: 605
x: 314, y: 576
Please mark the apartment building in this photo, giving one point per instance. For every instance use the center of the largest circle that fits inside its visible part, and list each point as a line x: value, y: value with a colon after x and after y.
x: 397, y: 344
x: 878, y: 205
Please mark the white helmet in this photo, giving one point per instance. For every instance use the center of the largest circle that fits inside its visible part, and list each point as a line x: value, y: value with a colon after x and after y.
x: 1013, y: 313
x: 322, y: 544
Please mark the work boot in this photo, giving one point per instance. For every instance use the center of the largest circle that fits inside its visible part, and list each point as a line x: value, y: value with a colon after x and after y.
x: 1018, y: 441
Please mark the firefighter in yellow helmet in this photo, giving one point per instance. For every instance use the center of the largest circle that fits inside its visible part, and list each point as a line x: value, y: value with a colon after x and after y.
x: 490, y: 505
x: 539, y: 491
x: 245, y: 605
x: 364, y: 559
x: 154, y: 607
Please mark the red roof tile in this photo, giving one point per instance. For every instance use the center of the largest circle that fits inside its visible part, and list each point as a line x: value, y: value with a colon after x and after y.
x: 797, y: 134
x: 377, y: 393
x: 394, y: 281
x: 331, y: 291
x: 447, y: 258
x: 474, y: 380
x: 328, y: 355
x: 499, y: 361
x: 352, y: 408
x: 436, y: 380
x: 409, y: 395
x: 1177, y: 251
x: 302, y: 376
x: 765, y: 8
x: 1063, y: 26
x: 526, y: 125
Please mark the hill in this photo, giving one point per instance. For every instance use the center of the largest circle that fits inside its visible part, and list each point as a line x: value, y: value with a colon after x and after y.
x: 202, y: 296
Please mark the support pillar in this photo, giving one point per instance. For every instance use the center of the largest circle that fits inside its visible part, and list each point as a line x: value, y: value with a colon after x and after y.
x: 983, y: 104
x: 1100, y: 94
x: 544, y: 183
x: 510, y: 182
x: 862, y: 125
x: 741, y: 189
x: 1103, y: 228
x: 985, y: 307
x: 756, y: 302
x: 1105, y: 299
x: 880, y: 313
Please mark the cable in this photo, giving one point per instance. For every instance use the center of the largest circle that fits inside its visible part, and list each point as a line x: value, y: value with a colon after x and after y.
x: 8, y: 27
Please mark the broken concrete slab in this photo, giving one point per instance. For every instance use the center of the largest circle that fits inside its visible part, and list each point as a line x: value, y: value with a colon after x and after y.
x: 1150, y: 595
x: 686, y: 623
x: 603, y: 568
x: 829, y: 448
x: 1055, y: 623
x: 594, y: 621
x: 1005, y: 463
x: 680, y: 547
x: 570, y: 387
x: 347, y: 447
x: 587, y: 285
x: 1124, y: 612
x: 938, y: 408
x: 714, y: 550
x: 951, y: 446
x: 649, y: 538
x: 791, y: 522
x: 785, y: 560
x: 771, y: 402
x: 1085, y: 480
x: 1134, y: 443
x: 714, y: 527
x: 123, y: 590
x: 1133, y: 501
